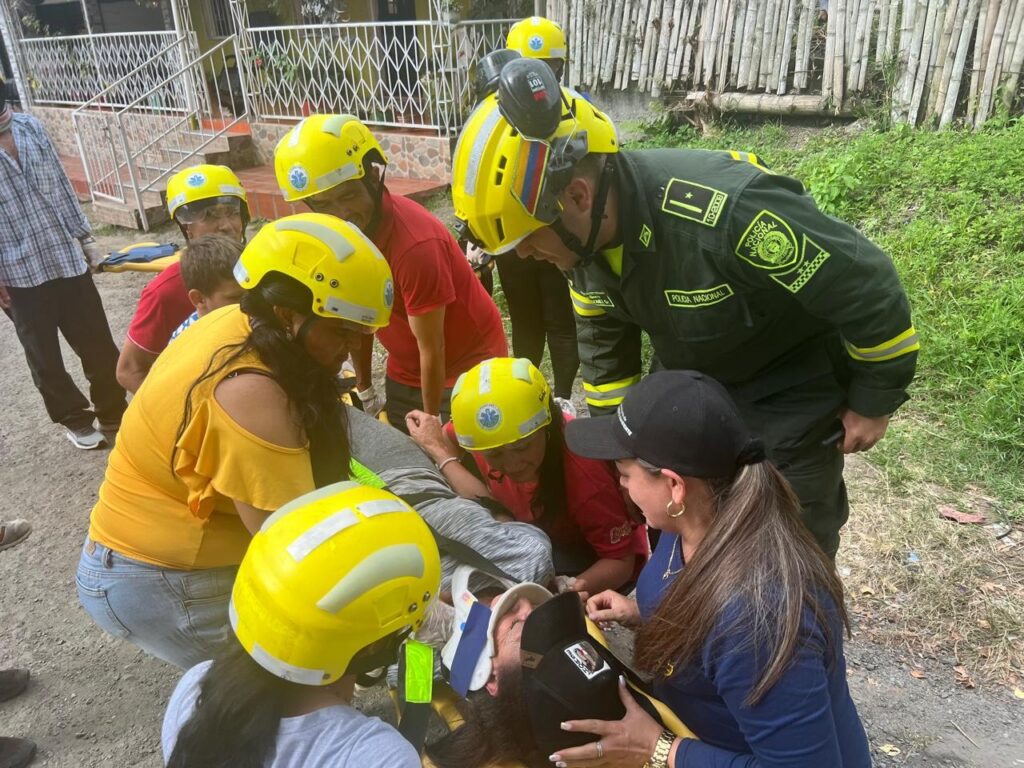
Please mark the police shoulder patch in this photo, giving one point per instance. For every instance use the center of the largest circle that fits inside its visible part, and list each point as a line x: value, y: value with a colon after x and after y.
x: 697, y: 202
x: 768, y: 243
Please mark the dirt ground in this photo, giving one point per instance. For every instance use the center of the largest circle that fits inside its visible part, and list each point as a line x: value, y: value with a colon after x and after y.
x: 96, y: 701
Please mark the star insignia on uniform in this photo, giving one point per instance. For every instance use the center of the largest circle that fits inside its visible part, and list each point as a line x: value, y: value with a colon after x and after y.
x: 689, y: 195
x: 645, y: 235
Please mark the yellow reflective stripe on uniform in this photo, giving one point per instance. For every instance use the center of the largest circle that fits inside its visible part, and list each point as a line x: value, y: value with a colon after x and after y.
x: 903, y: 344
x: 583, y: 306
x: 610, y: 394
x: 748, y: 157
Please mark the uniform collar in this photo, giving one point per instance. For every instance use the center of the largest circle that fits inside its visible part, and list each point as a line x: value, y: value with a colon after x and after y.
x: 635, y: 220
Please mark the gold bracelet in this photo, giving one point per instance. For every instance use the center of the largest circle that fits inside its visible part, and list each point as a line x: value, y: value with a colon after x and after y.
x: 662, y: 749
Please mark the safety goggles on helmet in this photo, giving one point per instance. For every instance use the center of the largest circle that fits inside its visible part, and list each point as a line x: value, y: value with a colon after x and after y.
x: 332, y: 582
x: 517, y: 153
x: 210, y: 210
x: 204, y: 182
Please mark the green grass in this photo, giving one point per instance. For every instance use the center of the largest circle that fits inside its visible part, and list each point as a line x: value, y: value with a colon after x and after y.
x: 949, y: 208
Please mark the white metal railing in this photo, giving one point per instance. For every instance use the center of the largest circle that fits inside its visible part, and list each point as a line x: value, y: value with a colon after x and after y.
x: 68, y: 71
x: 129, y: 153
x: 472, y: 40
x: 389, y: 74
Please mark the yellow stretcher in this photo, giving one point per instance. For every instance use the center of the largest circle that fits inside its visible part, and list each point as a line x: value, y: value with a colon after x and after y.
x: 116, y: 262
x: 444, y: 703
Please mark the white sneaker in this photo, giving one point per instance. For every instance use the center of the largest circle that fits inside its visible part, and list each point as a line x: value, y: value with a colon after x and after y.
x: 86, y: 438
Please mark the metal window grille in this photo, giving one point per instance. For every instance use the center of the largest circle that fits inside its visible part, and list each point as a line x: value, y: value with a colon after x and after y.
x: 69, y: 71
x: 389, y: 74
x: 218, y: 13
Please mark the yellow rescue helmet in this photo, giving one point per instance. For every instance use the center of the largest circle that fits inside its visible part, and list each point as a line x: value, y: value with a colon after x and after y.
x: 498, y: 402
x: 204, y: 182
x: 501, y: 185
x: 347, y: 275
x: 328, y: 575
x: 322, y: 152
x: 537, y: 38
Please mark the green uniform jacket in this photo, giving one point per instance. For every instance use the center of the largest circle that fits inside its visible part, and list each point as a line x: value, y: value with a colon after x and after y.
x: 733, y: 271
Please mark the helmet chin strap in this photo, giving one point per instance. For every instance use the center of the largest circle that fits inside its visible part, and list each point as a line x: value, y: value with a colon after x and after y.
x: 586, y: 250
x: 304, y: 329
x: 378, y: 195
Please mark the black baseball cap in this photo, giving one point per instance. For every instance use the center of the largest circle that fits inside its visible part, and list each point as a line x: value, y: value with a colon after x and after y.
x: 679, y: 420
x: 569, y: 674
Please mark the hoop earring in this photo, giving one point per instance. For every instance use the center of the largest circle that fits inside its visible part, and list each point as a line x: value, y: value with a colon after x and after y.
x: 678, y: 513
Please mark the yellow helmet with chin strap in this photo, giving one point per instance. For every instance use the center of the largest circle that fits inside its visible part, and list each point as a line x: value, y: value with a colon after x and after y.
x: 332, y: 583
x: 204, y: 182
x: 505, y: 185
x: 498, y: 402
x: 537, y: 38
x: 347, y: 275
x: 322, y: 152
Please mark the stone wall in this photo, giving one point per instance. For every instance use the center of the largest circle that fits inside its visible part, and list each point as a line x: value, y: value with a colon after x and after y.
x: 57, y: 122
x: 411, y: 155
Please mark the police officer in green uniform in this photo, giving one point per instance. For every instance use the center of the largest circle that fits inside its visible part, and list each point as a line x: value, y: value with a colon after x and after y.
x: 728, y: 268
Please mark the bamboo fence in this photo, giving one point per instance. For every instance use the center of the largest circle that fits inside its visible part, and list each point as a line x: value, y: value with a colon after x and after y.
x: 932, y: 61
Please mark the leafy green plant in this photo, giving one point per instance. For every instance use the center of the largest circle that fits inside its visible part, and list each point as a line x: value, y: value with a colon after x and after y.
x: 834, y: 182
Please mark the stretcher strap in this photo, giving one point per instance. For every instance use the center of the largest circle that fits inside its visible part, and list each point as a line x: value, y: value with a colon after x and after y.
x: 464, y: 553
x: 415, y: 691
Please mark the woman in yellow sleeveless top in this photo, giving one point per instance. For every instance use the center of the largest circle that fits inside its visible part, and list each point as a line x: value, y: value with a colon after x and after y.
x: 229, y: 425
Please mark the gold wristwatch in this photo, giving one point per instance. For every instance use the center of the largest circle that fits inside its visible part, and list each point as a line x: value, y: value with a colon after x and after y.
x: 659, y: 758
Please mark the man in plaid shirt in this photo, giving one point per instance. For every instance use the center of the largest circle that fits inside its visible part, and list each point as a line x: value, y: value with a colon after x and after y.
x: 46, y: 250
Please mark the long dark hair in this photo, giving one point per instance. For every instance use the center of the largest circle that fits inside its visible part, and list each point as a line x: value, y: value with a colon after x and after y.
x: 496, y: 729
x: 236, y: 717
x: 548, y: 503
x: 311, y: 389
x: 758, y: 556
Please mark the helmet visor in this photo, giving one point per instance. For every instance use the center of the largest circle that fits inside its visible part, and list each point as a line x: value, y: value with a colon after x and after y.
x: 210, y: 210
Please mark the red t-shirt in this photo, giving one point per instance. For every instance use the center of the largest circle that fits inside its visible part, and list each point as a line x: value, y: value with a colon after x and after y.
x: 596, y: 509
x: 163, y: 306
x: 430, y: 272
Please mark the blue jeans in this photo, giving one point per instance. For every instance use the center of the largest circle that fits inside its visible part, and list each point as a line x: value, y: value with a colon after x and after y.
x: 178, y: 616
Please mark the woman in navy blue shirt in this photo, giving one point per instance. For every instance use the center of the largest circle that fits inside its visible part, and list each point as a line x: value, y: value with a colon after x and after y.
x: 739, y: 614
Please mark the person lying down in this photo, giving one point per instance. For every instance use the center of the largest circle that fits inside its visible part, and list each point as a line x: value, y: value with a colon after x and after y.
x: 526, y: 661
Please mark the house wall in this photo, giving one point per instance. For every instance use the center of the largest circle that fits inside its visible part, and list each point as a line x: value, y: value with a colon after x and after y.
x: 128, y: 16
x: 411, y: 155
x: 58, y: 125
